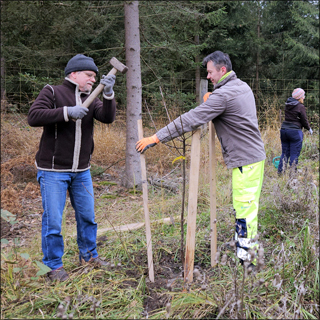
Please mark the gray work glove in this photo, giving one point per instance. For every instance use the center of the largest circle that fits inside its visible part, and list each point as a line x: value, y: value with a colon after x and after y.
x: 77, y: 112
x: 108, y: 82
x: 311, y: 132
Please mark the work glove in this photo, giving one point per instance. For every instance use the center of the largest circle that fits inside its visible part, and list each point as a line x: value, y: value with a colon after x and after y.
x: 311, y: 132
x: 206, y: 96
x: 108, y: 82
x: 77, y: 112
x: 146, y: 143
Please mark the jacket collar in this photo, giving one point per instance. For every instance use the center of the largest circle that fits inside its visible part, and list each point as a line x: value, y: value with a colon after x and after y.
x: 231, y: 75
x: 73, y: 85
x: 292, y: 101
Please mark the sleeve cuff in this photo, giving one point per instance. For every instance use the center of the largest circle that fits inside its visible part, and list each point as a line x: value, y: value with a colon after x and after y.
x: 107, y: 97
x: 65, y: 114
x: 155, y: 138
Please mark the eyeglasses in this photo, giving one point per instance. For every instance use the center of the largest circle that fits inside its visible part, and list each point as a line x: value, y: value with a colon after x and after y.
x: 89, y: 74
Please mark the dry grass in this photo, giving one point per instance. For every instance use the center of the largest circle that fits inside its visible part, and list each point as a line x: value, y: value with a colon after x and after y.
x: 269, y: 115
x: 110, y: 144
x: 286, y: 286
x: 18, y: 139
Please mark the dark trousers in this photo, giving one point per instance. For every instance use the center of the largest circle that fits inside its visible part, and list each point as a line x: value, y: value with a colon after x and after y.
x: 291, y: 142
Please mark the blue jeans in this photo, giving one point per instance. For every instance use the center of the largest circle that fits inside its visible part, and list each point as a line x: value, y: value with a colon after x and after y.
x: 54, y: 187
x: 291, y: 142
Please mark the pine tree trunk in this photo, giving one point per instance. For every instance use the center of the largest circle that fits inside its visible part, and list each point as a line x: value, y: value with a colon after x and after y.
x: 197, y: 60
x: 132, y: 174
x: 3, y: 91
x: 3, y: 87
x: 258, y: 56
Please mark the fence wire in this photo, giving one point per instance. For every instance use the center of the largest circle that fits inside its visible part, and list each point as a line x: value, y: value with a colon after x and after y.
x: 23, y: 85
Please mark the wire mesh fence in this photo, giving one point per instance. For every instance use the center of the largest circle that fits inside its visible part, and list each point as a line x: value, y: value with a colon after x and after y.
x: 22, y: 86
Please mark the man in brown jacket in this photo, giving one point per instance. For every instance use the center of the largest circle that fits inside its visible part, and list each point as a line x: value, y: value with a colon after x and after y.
x: 63, y: 158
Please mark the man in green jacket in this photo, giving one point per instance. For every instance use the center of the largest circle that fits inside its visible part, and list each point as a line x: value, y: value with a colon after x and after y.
x: 232, y: 108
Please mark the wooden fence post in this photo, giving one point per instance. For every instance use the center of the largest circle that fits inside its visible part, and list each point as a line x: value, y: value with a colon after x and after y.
x: 192, y: 206
x: 203, y: 91
x: 145, y: 205
x: 213, y: 213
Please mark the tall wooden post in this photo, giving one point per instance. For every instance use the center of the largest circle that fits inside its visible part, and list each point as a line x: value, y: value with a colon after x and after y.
x: 192, y: 206
x: 145, y: 205
x: 213, y: 213
x: 203, y: 91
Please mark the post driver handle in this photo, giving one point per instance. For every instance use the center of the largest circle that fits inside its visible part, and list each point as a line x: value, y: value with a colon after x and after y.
x: 97, y: 91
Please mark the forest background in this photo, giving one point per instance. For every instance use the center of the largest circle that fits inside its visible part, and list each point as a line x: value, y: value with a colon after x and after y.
x: 274, y: 47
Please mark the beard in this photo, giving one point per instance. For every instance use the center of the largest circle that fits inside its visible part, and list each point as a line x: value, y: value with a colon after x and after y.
x: 88, y: 87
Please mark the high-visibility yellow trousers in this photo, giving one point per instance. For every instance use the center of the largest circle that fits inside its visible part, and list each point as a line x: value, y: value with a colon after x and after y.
x: 246, y: 189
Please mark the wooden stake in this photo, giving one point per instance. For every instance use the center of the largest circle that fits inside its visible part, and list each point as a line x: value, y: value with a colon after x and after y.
x: 213, y: 208
x: 145, y: 205
x: 192, y: 206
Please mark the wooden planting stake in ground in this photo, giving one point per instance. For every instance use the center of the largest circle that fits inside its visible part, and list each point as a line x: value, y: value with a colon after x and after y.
x: 192, y: 206
x: 145, y: 205
x: 213, y: 215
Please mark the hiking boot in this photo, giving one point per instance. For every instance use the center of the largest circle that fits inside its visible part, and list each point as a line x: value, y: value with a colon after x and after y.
x: 97, y: 263
x: 252, y: 267
x: 57, y: 275
x: 249, y: 266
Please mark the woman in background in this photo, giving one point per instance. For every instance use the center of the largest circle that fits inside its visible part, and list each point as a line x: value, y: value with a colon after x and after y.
x: 291, y: 134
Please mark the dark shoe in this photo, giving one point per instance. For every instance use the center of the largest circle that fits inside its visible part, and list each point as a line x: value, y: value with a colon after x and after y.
x: 252, y: 267
x: 246, y: 265
x: 97, y: 263
x: 57, y: 275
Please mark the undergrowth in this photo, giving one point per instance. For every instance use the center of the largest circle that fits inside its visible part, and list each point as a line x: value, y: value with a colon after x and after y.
x: 285, y: 284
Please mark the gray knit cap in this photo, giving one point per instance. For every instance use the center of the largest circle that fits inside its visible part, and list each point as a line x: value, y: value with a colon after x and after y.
x: 80, y: 62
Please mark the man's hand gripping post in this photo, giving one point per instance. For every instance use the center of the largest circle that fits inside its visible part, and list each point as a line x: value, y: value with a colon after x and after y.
x: 146, y: 143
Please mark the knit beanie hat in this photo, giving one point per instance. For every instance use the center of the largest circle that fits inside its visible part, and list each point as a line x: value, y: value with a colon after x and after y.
x: 80, y: 62
x: 298, y: 93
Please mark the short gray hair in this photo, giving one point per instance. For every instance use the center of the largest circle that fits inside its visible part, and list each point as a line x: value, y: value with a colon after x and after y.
x: 219, y: 59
